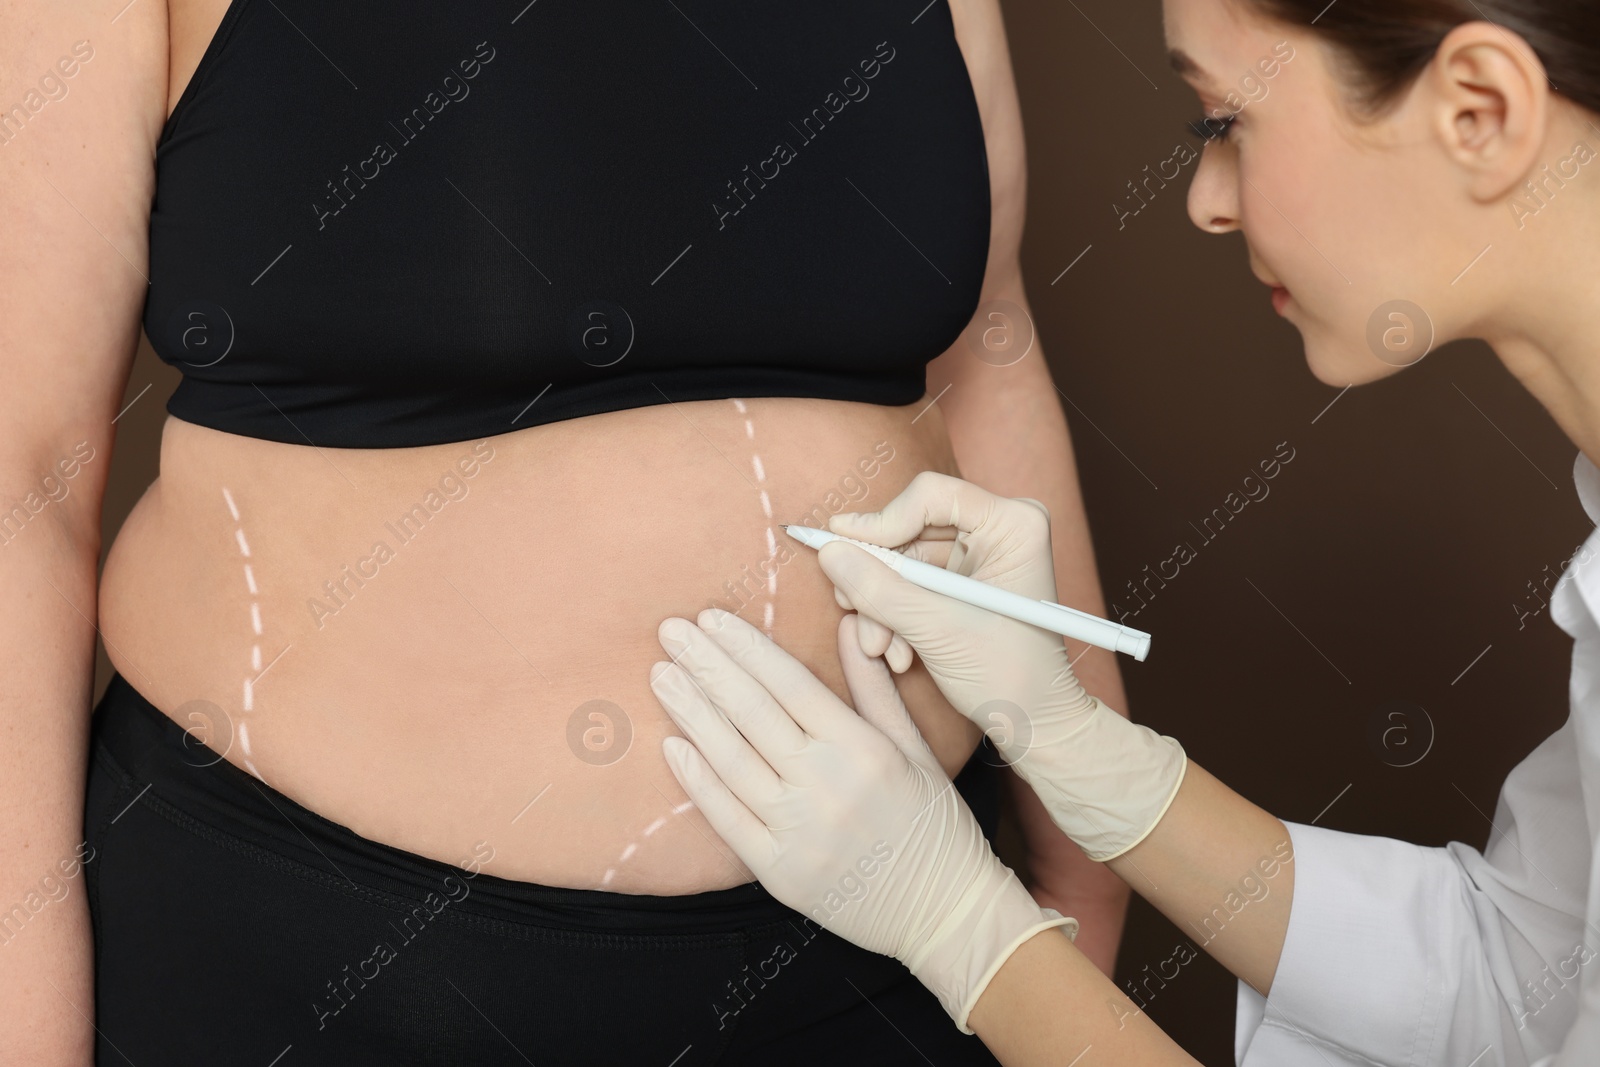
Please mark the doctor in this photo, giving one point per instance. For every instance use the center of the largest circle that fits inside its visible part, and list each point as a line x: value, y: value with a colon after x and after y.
x: 1406, y: 138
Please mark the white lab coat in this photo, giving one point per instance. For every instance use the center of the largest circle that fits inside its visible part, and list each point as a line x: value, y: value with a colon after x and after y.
x: 1402, y: 955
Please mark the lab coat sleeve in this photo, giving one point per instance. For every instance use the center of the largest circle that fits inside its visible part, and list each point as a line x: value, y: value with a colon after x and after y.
x: 1398, y: 954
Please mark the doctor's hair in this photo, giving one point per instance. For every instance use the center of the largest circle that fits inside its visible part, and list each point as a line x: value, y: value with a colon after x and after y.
x: 1386, y: 44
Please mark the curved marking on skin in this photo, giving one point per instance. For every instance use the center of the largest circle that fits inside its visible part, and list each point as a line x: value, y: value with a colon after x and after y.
x: 767, y: 614
x: 768, y: 610
x: 248, y: 693
x: 633, y: 846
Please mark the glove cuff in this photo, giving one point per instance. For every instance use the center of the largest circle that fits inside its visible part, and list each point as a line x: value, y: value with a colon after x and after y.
x: 992, y: 918
x: 1109, y: 784
x: 1161, y: 812
x: 1050, y: 920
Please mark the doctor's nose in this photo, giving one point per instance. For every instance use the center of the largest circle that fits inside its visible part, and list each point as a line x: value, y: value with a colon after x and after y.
x: 1214, y: 193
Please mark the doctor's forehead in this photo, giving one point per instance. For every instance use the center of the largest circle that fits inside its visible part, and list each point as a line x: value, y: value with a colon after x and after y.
x: 1205, y: 36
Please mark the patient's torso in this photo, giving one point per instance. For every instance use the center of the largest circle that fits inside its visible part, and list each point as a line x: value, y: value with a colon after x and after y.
x: 449, y: 448
x: 401, y: 224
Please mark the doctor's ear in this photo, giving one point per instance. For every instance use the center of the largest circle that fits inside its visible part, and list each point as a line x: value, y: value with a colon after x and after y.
x: 1490, y: 103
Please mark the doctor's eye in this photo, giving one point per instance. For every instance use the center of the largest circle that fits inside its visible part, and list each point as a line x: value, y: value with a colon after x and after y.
x: 1211, y: 128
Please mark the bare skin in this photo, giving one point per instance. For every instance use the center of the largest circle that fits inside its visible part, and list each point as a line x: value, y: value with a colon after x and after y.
x: 433, y: 705
x: 451, y: 672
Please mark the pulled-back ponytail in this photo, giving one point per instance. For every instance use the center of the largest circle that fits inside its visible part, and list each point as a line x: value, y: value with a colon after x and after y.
x: 1388, y: 43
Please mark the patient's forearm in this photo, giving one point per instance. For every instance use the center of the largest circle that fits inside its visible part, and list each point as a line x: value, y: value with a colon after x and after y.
x: 1010, y: 436
x: 1222, y: 869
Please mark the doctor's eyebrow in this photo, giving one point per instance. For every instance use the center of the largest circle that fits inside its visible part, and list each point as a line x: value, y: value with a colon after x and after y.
x: 1186, y: 67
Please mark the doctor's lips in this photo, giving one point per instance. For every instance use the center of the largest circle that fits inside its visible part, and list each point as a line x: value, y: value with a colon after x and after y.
x: 1280, y: 295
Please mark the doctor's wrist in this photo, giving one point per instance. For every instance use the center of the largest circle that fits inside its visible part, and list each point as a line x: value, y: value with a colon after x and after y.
x: 1107, y: 783
x: 976, y: 935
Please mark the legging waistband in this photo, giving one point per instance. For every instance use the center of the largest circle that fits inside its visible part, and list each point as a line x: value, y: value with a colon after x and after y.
x: 171, y: 770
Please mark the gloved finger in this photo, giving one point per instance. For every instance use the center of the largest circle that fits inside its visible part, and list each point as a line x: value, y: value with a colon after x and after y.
x: 899, y: 655
x: 875, y: 637
x: 792, y: 693
x: 932, y: 499
x: 732, y: 690
x: 736, y: 824
x: 878, y: 592
x: 750, y: 777
x: 934, y: 551
x: 1036, y: 503
x: 877, y: 700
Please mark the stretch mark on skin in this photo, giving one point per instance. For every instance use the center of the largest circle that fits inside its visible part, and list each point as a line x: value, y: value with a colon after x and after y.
x: 255, y: 626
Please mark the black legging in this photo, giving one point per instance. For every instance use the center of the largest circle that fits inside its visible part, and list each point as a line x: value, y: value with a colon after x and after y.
x: 233, y: 926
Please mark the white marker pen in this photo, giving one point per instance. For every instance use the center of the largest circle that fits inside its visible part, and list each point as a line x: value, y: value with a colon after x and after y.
x: 1046, y: 614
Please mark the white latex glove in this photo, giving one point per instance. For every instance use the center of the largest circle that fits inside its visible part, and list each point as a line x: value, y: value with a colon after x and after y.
x: 1105, y: 781
x: 861, y: 831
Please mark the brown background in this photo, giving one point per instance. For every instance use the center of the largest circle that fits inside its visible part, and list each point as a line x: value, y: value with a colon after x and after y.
x: 1396, y: 542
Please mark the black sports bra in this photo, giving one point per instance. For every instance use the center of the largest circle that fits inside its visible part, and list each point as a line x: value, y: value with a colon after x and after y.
x: 384, y: 225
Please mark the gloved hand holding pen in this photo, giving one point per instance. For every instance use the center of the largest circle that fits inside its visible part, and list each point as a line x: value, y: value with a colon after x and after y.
x: 812, y: 795
x: 1104, y: 780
